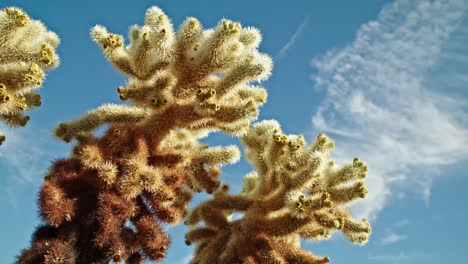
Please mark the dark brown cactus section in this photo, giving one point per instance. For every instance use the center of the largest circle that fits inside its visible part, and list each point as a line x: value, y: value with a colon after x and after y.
x: 86, y: 216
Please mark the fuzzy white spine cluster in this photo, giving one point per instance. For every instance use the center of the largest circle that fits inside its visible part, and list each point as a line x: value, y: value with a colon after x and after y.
x: 27, y: 48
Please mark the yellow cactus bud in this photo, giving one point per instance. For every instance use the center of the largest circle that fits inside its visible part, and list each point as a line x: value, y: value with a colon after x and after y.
x: 122, y: 93
x: 362, y: 189
x: 284, y: 139
x: 214, y: 107
x: 301, y: 197
x: 193, y: 22
x: 34, y: 69
x: 20, y: 18
x: 21, y: 103
x: 113, y: 41
x: 158, y: 101
x: 327, y: 203
x: 340, y: 223
x: 277, y: 138
x: 24, y: 120
x: 4, y: 97
x: 202, y: 96
x: 2, y: 138
x: 28, y: 78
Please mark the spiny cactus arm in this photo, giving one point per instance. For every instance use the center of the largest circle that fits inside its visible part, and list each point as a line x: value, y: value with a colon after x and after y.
x: 209, y: 125
x: 254, y: 67
x: 221, y: 202
x: 150, y: 46
x: 234, y: 113
x: 295, y: 255
x: 15, y: 120
x: 341, y: 195
x: 113, y: 49
x: 208, y: 250
x: 26, y: 40
x: 50, y: 245
x: 259, y: 94
x: 109, y: 113
x: 56, y: 207
x: 26, y: 50
x: 92, y: 158
x: 357, y: 231
x: 296, y: 193
x: 18, y: 76
x: 142, y: 91
x: 199, y: 234
x: 33, y: 99
x: 283, y: 224
x: 217, y: 155
x: 152, y: 238
x: 348, y: 172
x: 314, y: 231
x: 201, y: 162
x: 176, y: 76
x: 119, y: 242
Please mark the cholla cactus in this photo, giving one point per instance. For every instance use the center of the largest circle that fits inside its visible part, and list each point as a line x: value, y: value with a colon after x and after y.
x: 26, y: 50
x: 296, y: 192
x: 181, y: 87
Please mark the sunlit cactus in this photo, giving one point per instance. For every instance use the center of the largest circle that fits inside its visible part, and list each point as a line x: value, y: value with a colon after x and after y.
x: 26, y: 50
x: 106, y: 201
x: 295, y: 193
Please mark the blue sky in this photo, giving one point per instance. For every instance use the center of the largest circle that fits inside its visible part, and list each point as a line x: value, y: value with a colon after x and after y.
x: 387, y: 80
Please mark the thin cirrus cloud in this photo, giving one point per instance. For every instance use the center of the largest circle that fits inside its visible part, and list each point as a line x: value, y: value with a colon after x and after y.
x: 24, y: 158
x: 392, y: 238
x: 392, y: 235
x: 396, y: 98
x: 402, y: 257
x: 293, y: 39
x: 23, y: 154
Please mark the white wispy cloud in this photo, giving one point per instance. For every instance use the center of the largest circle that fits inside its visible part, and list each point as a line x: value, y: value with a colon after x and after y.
x: 392, y: 234
x: 186, y: 259
x: 396, y: 97
x: 401, y: 223
x: 23, y: 153
x: 293, y: 38
x: 402, y: 257
x: 392, y: 238
x: 24, y: 158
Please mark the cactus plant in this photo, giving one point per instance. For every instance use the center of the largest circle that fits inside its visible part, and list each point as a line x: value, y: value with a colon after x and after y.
x: 107, y: 200
x: 181, y: 87
x: 27, y: 48
x: 296, y: 192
